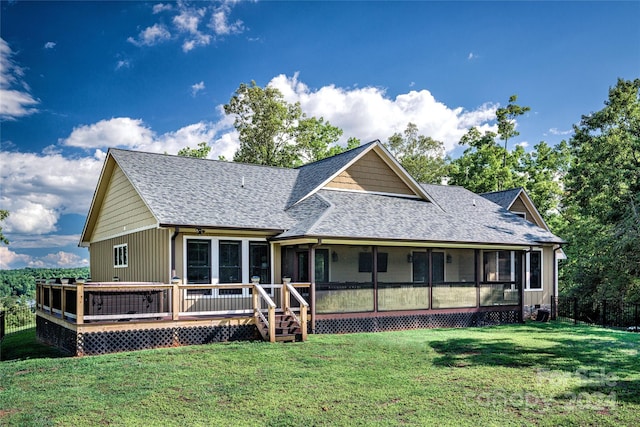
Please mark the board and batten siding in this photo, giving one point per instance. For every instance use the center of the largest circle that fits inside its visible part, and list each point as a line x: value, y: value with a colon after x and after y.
x: 149, y: 259
x: 543, y: 297
x: 370, y: 173
x: 122, y: 209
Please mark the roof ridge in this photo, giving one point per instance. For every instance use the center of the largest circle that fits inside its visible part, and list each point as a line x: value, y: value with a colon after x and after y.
x: 339, y: 154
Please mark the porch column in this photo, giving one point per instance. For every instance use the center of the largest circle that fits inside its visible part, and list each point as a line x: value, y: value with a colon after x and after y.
x: 478, y: 273
x: 374, y: 277
x: 523, y: 280
x: 312, y: 288
x: 430, y: 277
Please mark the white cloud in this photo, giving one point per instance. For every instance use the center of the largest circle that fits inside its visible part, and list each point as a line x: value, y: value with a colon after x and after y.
x: 49, y: 45
x: 10, y: 259
x: 151, y: 36
x: 116, y: 132
x: 123, y: 63
x: 15, y: 99
x: 160, y: 7
x: 61, y: 259
x: 220, y: 22
x: 368, y: 113
x: 523, y: 144
x: 29, y: 241
x: 186, y: 24
x: 38, y: 188
x: 556, y: 131
x: 472, y: 56
x: 195, y: 88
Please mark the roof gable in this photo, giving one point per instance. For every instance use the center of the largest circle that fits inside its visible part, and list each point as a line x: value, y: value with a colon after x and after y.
x: 369, y: 168
x: 517, y: 201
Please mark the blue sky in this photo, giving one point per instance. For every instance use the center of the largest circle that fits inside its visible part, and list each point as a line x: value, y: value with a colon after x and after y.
x: 80, y: 77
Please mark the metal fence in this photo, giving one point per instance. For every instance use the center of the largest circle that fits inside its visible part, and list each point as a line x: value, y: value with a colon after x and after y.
x: 605, y: 312
x: 17, y: 318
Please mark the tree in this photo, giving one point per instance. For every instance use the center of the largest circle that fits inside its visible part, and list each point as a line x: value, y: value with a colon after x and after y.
x: 274, y: 132
x: 201, y: 152
x: 543, y: 170
x: 3, y: 215
x: 603, y: 198
x: 507, y: 122
x: 422, y: 156
x: 485, y: 166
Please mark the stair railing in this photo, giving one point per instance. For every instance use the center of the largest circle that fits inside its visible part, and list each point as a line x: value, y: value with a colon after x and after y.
x: 259, y: 296
x: 289, y: 290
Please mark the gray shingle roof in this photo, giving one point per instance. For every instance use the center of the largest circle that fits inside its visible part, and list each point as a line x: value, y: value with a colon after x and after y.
x: 503, y: 198
x: 208, y: 193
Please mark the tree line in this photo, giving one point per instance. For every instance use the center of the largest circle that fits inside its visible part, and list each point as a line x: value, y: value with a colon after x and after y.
x: 587, y: 188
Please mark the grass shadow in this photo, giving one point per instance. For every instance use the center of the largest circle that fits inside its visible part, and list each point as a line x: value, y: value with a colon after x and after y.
x: 584, y: 351
x: 24, y: 345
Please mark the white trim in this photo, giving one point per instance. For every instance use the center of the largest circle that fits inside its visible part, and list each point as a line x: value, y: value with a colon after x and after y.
x: 215, y: 261
x: 527, y: 285
x: 378, y: 193
x: 520, y: 214
x: 126, y: 233
x: 124, y: 248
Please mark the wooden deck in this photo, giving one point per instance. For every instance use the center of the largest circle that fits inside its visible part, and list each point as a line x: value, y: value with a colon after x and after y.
x: 108, y: 307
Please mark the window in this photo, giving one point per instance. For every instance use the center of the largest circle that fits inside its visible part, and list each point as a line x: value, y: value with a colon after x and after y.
x: 499, y: 266
x: 259, y: 261
x: 420, y: 267
x: 199, y: 265
x: 120, y: 256
x: 534, y: 276
x: 365, y: 261
x: 230, y: 265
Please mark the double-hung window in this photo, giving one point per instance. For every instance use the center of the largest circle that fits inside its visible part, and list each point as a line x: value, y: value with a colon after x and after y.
x: 120, y: 256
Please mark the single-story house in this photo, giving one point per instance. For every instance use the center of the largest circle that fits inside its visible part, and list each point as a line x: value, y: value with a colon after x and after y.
x: 354, y: 238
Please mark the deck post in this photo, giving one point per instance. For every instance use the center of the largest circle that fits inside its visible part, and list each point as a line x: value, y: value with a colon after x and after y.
x: 50, y: 299
x: 175, y: 301
x: 303, y: 321
x: 63, y: 301
x: 272, y: 324
x: 286, y: 297
x: 79, y: 303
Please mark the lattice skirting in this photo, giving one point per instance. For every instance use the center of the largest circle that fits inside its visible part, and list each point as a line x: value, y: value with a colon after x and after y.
x: 56, y: 335
x: 92, y: 343
x: 394, y: 323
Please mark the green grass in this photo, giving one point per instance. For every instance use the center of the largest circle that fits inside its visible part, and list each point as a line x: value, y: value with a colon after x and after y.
x: 533, y: 374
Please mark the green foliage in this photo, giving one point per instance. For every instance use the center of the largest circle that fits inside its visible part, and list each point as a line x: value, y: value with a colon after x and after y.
x: 506, y: 117
x: 3, y: 215
x: 485, y: 166
x: 422, y: 156
x: 201, y: 152
x: 23, y: 281
x: 274, y: 132
x: 603, y: 198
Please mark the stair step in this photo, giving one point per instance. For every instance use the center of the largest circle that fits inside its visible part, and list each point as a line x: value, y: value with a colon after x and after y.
x: 286, y: 338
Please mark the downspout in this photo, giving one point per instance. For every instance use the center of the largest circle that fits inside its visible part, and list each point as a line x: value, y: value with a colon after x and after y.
x: 312, y: 277
x: 173, y: 252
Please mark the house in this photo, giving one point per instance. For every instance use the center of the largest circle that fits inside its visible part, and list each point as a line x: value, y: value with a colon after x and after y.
x: 186, y: 250
x: 538, y: 293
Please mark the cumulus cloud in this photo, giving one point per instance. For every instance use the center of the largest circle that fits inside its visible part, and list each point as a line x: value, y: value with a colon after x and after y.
x: 151, y: 36
x: 15, y: 99
x: 195, y: 88
x: 10, y: 259
x: 368, y: 113
x: 61, y: 259
x: 472, y: 56
x: 38, y: 188
x: 49, y: 45
x: 116, y: 132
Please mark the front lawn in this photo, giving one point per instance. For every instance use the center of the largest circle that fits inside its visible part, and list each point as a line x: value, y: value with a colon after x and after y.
x: 533, y: 374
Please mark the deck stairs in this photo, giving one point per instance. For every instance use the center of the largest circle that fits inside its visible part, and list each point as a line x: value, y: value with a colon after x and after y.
x: 287, y: 327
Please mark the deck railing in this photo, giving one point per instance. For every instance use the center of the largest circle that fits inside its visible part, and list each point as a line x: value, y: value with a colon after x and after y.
x: 85, y: 303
